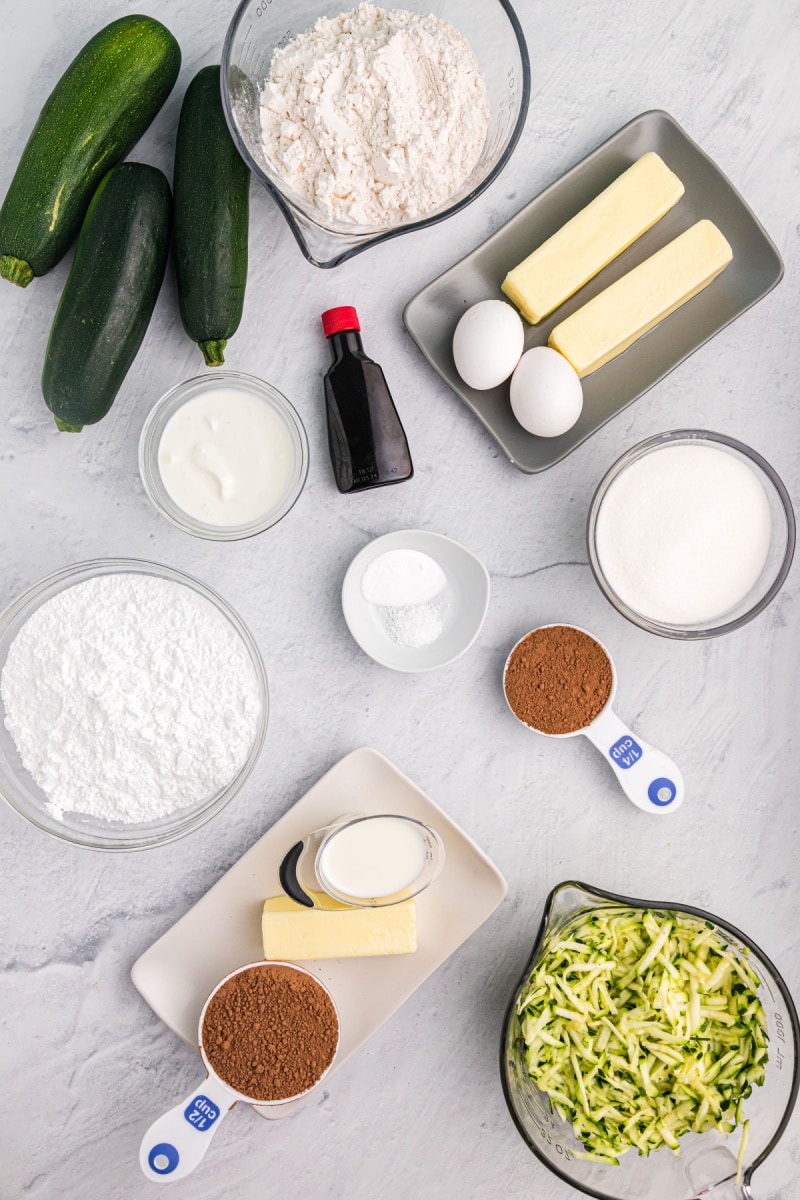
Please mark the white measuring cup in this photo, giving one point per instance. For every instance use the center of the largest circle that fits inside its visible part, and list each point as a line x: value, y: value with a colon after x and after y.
x: 648, y: 777
x: 177, y: 1142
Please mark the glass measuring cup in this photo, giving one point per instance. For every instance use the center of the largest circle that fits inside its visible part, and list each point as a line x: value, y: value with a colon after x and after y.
x: 707, y: 1166
x: 648, y: 777
x: 177, y: 1141
x: 260, y: 27
x: 304, y: 878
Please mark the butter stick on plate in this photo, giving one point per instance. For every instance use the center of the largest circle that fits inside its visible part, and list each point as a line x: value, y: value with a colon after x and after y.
x: 594, y: 237
x: 293, y: 933
x: 615, y: 318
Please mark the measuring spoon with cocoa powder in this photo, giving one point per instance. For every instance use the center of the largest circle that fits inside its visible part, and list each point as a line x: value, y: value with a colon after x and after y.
x: 560, y: 681
x: 270, y: 1027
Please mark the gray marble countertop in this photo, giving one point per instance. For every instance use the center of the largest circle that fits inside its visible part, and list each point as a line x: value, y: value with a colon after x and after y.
x: 419, y: 1112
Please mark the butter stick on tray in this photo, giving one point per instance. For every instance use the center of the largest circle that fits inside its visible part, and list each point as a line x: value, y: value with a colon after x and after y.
x: 615, y: 318
x: 594, y: 237
x: 293, y: 933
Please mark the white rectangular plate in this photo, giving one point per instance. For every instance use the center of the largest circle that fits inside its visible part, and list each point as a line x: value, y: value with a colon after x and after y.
x: 223, y: 930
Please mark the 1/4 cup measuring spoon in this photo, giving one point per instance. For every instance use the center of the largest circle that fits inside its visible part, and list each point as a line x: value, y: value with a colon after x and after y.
x: 648, y: 777
x: 177, y: 1141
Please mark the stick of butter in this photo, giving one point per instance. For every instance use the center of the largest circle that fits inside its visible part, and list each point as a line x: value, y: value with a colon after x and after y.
x: 614, y: 319
x: 593, y: 238
x: 293, y: 933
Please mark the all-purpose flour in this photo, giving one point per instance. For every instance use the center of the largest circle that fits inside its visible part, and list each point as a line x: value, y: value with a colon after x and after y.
x: 129, y: 697
x: 377, y: 117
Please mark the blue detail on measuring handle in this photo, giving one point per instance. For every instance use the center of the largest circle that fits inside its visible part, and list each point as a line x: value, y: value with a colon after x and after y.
x: 201, y: 1113
x: 625, y: 752
x: 164, y: 1150
x: 662, y: 792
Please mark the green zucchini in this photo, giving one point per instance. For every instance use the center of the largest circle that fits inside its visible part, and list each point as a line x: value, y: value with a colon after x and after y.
x: 212, y: 185
x: 95, y: 114
x: 109, y: 295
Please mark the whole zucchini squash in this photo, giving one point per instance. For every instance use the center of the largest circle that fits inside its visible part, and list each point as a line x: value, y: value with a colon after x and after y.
x: 212, y: 185
x: 95, y: 114
x: 109, y: 295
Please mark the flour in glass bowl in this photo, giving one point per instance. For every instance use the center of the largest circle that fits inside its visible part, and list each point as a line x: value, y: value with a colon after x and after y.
x: 377, y: 116
x: 129, y: 697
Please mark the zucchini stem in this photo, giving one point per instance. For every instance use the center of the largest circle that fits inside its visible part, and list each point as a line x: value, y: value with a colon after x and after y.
x: 65, y: 426
x: 15, y: 270
x: 213, y: 351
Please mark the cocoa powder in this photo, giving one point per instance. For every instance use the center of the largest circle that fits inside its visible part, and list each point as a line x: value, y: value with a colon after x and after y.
x: 558, y: 679
x: 270, y: 1032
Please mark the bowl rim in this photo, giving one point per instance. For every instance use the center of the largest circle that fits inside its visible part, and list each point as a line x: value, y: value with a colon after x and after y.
x: 434, y: 536
x: 28, y: 601
x: 155, y: 423
x: 662, y: 629
x: 613, y: 898
x: 371, y: 239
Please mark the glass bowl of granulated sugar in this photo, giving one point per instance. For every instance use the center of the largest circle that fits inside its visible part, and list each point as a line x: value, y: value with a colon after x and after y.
x: 690, y: 534
x: 133, y: 704
x: 369, y: 121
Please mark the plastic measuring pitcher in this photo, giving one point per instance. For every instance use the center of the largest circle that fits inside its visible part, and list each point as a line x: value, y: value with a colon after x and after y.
x: 648, y: 777
x: 707, y: 1166
x: 177, y: 1141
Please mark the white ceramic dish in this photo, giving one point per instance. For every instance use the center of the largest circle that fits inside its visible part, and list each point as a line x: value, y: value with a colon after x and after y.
x: 464, y: 602
x: 223, y: 930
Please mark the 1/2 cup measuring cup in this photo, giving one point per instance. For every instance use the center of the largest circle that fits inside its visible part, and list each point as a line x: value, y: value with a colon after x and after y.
x: 403, y: 857
x: 707, y: 1167
x: 177, y: 1141
x: 648, y: 777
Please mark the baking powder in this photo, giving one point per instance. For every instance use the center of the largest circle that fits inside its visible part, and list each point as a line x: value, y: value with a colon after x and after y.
x: 129, y: 697
x: 377, y: 117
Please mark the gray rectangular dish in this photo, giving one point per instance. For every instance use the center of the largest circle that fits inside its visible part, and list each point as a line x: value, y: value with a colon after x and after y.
x: 431, y: 316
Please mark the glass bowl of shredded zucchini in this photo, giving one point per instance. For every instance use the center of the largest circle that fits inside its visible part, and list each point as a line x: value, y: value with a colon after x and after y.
x: 649, y: 1051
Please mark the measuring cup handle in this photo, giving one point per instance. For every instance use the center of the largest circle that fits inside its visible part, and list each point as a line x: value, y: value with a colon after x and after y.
x: 176, y: 1142
x: 287, y: 874
x: 648, y: 778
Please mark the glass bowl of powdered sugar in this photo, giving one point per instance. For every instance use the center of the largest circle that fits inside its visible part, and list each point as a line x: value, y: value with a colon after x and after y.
x: 690, y: 534
x: 133, y: 704
x: 369, y: 121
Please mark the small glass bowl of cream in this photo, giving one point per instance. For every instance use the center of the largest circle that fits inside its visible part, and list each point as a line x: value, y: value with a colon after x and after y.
x: 223, y: 456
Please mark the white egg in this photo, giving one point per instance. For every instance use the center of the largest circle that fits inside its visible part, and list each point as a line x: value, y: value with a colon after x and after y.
x: 487, y: 343
x: 546, y: 393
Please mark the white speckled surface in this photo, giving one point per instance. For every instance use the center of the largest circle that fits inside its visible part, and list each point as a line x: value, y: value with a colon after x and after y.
x: 419, y: 1113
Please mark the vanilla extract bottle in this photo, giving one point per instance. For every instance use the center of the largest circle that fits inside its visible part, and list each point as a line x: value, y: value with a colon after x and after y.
x: 368, y: 444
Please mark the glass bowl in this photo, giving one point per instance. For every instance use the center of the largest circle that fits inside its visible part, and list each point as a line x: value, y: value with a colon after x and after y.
x: 781, y: 548
x: 166, y: 408
x: 18, y: 788
x: 260, y: 27
x: 707, y: 1165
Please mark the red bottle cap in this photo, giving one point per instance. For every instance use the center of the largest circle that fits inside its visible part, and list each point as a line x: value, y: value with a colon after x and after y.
x: 337, y: 320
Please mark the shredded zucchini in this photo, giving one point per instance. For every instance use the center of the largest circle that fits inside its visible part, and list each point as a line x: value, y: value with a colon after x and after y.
x: 642, y: 1026
x: 742, y: 1151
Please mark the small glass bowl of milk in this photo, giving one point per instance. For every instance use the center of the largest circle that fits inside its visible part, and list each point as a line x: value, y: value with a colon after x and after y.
x: 363, y: 861
x: 223, y: 456
x: 690, y: 534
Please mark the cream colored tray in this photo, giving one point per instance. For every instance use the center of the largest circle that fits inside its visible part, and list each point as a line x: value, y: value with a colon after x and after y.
x: 223, y: 930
